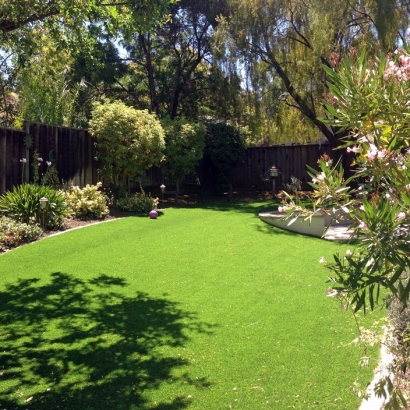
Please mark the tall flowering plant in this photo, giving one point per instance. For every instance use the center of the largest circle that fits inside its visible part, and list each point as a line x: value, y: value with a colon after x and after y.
x: 371, y: 100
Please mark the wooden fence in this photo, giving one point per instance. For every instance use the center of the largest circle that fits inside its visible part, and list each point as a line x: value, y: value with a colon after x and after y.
x: 291, y: 160
x: 72, y: 151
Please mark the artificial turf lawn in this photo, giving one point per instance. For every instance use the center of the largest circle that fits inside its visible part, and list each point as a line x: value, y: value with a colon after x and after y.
x: 203, y: 308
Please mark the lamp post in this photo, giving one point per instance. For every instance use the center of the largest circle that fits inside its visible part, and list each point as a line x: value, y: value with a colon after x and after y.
x: 43, y: 203
x: 162, y: 187
x: 273, y: 173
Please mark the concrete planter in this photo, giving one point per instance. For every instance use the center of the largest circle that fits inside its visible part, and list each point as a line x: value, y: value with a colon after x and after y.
x: 314, y: 226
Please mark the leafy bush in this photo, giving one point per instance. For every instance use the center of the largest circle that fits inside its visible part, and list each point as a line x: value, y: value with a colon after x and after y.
x: 128, y: 141
x: 87, y: 202
x: 51, y: 178
x: 23, y: 205
x: 294, y: 186
x: 139, y: 203
x: 14, y: 233
x: 184, y: 146
x: 224, y: 146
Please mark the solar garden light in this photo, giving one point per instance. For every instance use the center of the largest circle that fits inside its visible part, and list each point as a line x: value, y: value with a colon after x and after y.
x: 43, y: 203
x: 273, y: 173
x: 162, y: 187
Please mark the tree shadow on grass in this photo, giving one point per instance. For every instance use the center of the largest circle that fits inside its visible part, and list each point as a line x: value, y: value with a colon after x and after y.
x: 253, y: 207
x: 76, y: 344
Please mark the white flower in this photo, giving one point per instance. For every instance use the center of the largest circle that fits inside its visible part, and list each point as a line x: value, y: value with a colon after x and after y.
x: 322, y: 260
x: 23, y: 160
x: 280, y: 208
x: 349, y: 252
x: 321, y: 176
x: 48, y: 163
x: 40, y: 159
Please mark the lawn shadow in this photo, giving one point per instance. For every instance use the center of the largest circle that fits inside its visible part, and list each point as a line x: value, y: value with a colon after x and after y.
x: 253, y: 207
x: 89, y: 347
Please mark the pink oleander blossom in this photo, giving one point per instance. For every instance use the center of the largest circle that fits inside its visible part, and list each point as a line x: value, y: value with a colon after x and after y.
x: 401, y: 216
x: 363, y: 226
x: 355, y: 149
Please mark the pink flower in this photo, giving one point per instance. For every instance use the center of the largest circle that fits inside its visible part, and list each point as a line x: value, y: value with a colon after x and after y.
x: 401, y: 216
x: 355, y: 149
x: 372, y: 153
x: 48, y: 163
x: 363, y: 226
x: 280, y: 209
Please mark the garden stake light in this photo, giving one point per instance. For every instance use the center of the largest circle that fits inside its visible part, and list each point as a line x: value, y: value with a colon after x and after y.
x: 162, y: 194
x: 43, y: 203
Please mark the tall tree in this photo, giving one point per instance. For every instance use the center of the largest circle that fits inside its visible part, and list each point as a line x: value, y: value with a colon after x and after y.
x: 174, y: 60
x: 281, y: 46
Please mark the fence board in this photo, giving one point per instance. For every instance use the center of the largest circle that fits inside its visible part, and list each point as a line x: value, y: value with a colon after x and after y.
x: 72, y: 152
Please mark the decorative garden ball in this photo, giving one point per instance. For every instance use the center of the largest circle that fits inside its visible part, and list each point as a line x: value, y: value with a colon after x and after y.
x: 153, y: 214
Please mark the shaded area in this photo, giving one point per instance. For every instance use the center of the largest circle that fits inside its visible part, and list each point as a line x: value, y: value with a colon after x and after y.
x: 239, y: 205
x: 76, y: 344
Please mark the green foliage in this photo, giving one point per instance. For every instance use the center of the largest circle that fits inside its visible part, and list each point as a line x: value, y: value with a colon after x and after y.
x: 23, y: 205
x: 370, y: 98
x: 184, y: 145
x: 139, y: 203
x: 14, y: 233
x: 50, y: 178
x: 128, y: 141
x: 88, y: 202
x: 35, y: 164
x: 224, y: 146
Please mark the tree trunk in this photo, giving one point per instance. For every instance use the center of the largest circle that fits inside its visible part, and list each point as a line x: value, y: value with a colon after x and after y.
x: 150, y: 73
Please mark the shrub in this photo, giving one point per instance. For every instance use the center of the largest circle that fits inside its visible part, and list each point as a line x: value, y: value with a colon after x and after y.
x: 23, y: 205
x: 50, y: 178
x: 139, y: 203
x: 224, y: 146
x: 184, y: 146
x: 87, y: 202
x: 294, y: 186
x: 128, y: 141
x: 14, y: 233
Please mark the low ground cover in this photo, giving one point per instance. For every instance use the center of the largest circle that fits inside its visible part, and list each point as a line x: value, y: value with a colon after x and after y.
x: 205, y: 307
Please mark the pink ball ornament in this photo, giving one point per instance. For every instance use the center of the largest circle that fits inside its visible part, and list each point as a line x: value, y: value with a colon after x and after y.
x: 153, y: 214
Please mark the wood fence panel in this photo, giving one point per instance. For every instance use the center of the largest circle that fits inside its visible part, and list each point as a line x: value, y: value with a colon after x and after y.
x: 73, y: 152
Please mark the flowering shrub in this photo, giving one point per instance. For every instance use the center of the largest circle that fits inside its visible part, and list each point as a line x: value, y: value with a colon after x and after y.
x: 139, y: 203
x: 370, y: 99
x: 88, y: 202
x: 14, y: 233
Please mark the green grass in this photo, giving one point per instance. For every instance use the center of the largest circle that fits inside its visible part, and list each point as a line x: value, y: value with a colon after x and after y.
x: 203, y: 308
